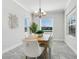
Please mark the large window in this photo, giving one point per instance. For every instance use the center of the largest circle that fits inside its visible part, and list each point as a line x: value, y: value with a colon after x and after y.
x: 47, y: 24
x: 71, y: 17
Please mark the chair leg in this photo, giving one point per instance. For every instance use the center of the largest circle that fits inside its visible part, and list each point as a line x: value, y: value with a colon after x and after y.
x: 36, y: 58
x: 49, y: 53
x: 31, y: 58
x: 26, y: 57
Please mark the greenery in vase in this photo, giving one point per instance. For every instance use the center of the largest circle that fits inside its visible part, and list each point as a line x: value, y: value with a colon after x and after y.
x: 40, y: 32
x: 33, y: 28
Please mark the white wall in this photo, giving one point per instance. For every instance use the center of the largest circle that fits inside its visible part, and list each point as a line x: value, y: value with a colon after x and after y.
x: 58, y: 18
x: 71, y: 41
x: 10, y: 38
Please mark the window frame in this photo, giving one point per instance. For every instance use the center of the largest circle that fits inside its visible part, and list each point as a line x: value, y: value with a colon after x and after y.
x: 41, y: 24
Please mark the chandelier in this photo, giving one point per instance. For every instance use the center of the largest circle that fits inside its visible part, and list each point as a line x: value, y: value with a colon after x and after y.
x: 40, y: 12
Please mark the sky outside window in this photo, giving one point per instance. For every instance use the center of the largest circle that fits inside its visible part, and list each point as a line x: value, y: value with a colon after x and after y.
x: 47, y: 22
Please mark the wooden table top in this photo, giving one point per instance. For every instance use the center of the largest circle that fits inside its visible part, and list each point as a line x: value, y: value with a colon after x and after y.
x: 43, y: 41
x: 32, y: 37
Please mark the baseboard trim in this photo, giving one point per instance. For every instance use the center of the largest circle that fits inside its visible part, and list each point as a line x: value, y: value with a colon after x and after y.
x: 71, y: 48
x: 59, y: 39
x: 12, y: 47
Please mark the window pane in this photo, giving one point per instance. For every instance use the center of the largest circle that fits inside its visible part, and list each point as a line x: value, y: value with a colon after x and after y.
x: 47, y: 24
x: 25, y: 24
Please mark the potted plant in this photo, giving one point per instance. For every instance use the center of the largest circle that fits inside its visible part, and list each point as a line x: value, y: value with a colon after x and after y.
x: 33, y: 28
x: 40, y: 33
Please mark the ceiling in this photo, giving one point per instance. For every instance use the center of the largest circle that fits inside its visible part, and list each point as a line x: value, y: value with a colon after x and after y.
x: 47, y: 5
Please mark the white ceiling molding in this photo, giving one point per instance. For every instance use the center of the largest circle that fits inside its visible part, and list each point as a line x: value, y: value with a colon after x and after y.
x: 67, y: 4
x: 30, y: 5
x: 47, y: 5
x: 22, y: 6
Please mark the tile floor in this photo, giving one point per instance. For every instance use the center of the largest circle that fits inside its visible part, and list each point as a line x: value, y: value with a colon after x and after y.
x: 58, y: 50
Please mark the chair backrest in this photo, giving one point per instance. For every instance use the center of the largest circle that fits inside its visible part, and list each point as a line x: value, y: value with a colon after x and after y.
x: 50, y: 40
x: 31, y: 48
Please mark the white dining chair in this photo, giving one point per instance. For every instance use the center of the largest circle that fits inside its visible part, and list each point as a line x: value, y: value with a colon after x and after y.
x: 32, y: 48
x: 50, y: 43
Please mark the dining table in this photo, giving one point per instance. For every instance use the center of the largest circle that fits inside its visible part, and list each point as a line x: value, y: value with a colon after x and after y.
x: 43, y: 42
